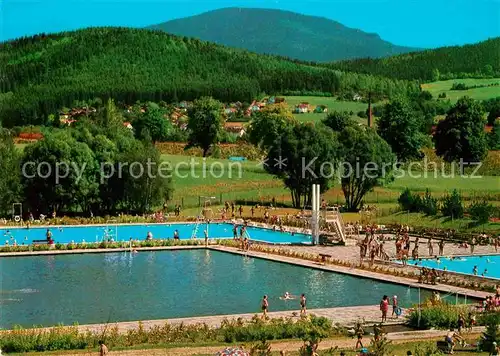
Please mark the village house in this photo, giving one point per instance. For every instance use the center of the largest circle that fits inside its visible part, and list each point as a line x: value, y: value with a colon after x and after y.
x: 235, y: 127
x: 320, y: 109
x: 302, y: 108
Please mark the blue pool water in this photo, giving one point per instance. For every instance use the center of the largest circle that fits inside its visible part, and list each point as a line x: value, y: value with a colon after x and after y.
x: 465, y: 264
x: 97, y: 233
x: 122, y: 286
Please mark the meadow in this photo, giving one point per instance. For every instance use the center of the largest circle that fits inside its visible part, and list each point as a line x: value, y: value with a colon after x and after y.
x: 332, y: 103
x: 436, y: 88
x: 198, y: 180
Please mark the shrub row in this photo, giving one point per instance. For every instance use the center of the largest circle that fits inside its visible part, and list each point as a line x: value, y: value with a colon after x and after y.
x: 230, y: 331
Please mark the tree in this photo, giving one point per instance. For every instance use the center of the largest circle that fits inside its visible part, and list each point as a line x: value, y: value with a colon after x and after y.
x: 460, y: 136
x: 492, y: 333
x: 494, y: 112
x: 367, y: 162
x: 494, y: 136
x: 205, y: 123
x: 302, y: 156
x: 152, y: 123
x: 453, y: 206
x: 435, y: 75
x: 337, y: 120
x: 268, y: 125
x: 10, y: 187
x: 59, y: 173
x: 401, y: 128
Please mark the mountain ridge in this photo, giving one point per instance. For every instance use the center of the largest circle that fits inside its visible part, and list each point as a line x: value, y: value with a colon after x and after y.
x: 284, y: 33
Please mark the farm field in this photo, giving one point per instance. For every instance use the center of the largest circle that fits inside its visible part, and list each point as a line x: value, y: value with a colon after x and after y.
x: 332, y: 103
x: 436, y: 88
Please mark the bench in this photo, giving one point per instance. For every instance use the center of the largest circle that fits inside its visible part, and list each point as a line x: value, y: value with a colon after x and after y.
x: 40, y: 242
x: 324, y: 257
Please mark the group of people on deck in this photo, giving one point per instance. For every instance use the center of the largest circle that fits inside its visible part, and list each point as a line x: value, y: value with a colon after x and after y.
x: 287, y: 296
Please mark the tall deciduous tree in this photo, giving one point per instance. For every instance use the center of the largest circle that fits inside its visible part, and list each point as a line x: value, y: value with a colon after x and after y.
x: 303, y: 155
x: 337, y: 120
x: 400, y: 127
x: 367, y: 162
x: 59, y: 173
x: 269, y: 124
x: 460, y: 136
x: 152, y: 123
x: 10, y: 187
x: 494, y: 136
x: 205, y: 123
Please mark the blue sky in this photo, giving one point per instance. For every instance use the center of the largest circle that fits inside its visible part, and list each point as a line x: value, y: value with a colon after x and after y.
x: 405, y: 22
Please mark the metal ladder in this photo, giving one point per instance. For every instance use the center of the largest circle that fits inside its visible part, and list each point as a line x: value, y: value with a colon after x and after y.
x: 332, y: 215
x: 197, y: 226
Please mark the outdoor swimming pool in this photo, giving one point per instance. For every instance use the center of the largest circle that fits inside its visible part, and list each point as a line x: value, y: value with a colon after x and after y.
x: 120, y: 286
x: 97, y: 233
x: 490, y: 264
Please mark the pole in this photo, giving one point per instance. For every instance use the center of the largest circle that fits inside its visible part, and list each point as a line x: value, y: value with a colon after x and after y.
x: 456, y: 299
x: 419, y: 311
x: 313, y: 219
x: 318, y: 201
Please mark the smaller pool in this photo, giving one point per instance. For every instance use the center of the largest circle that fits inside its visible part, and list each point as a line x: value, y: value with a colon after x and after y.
x: 124, y: 232
x: 486, y: 266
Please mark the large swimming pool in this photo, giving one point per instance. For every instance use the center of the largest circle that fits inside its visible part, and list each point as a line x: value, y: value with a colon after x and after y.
x: 97, y: 233
x: 489, y: 266
x: 120, y: 286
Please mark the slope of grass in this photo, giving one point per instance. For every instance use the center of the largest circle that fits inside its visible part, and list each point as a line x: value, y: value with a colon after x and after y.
x: 436, y: 88
x: 332, y: 103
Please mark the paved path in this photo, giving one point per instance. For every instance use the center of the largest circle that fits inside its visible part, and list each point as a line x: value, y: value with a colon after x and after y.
x: 345, y: 316
x: 356, y: 272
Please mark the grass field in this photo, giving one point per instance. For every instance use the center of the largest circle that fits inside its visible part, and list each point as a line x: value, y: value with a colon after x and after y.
x: 248, y: 180
x: 437, y: 88
x: 332, y: 104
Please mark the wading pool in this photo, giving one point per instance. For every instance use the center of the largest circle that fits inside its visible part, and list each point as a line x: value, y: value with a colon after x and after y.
x: 487, y: 266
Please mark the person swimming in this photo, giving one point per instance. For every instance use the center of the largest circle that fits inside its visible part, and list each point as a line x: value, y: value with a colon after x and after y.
x: 287, y: 296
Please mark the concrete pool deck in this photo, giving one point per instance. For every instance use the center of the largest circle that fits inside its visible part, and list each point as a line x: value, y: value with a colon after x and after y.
x: 442, y: 288
x: 345, y: 316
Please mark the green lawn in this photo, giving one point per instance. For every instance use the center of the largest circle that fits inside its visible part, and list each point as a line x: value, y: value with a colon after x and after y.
x: 248, y: 180
x: 437, y: 88
x: 332, y: 103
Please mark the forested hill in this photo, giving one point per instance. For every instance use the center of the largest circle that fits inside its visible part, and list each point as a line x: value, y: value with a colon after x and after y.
x: 39, y: 75
x: 283, y: 33
x: 481, y: 59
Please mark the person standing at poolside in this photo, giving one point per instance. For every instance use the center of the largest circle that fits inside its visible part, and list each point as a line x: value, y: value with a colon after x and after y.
x: 384, y: 307
x: 395, y: 306
x: 48, y: 235
x: 265, y: 307
x: 441, y: 247
x: 103, y: 349
x: 205, y: 232
x: 473, y: 244
x: 430, y: 246
x: 303, y: 304
x: 176, y: 235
